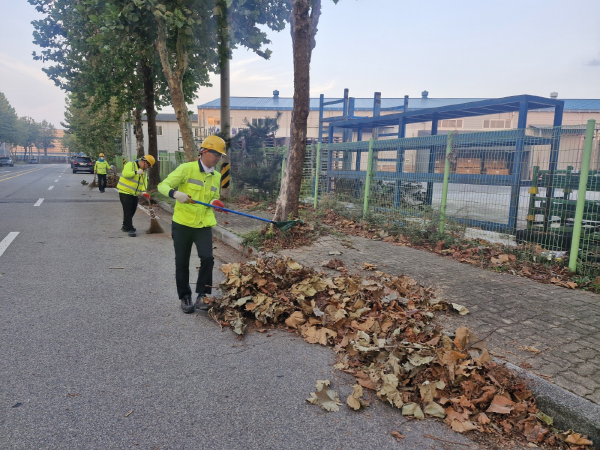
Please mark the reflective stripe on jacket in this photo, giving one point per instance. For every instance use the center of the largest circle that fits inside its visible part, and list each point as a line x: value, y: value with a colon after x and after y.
x: 130, y: 182
x: 202, y: 186
x: 101, y: 167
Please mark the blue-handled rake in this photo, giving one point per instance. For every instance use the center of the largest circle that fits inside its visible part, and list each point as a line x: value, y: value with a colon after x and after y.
x: 282, y: 225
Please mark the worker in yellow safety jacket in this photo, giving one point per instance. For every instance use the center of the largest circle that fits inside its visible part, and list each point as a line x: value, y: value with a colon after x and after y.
x: 132, y: 183
x: 192, y: 223
x: 101, y: 168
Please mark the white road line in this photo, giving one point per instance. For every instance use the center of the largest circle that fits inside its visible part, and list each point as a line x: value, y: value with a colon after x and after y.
x: 50, y: 188
x: 7, y: 240
x: 56, y: 181
x: 39, y: 202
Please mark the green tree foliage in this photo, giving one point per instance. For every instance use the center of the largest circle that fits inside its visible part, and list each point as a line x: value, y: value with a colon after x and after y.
x: 253, y: 164
x: 96, y: 129
x: 28, y: 134
x: 46, y: 137
x: 8, y: 121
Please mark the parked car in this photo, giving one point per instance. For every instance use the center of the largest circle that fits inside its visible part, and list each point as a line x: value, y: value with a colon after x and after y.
x: 83, y: 164
x: 33, y: 161
x: 6, y: 161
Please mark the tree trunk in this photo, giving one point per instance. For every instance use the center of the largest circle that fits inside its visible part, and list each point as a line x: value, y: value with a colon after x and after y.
x: 148, y: 77
x: 302, y: 39
x: 174, y: 76
x: 139, y: 131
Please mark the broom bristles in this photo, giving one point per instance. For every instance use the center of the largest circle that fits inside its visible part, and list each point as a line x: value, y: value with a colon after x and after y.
x: 154, y: 227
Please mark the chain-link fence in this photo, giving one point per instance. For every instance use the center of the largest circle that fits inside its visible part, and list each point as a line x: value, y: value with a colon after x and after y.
x: 513, y: 186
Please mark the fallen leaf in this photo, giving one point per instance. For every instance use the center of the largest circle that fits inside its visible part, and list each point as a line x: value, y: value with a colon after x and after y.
x: 501, y: 405
x: 435, y: 410
x: 412, y: 409
x: 460, y: 308
x: 355, y: 400
x: 326, y: 398
x: 368, y: 266
x: 578, y: 439
x: 295, y: 320
x: 397, y: 435
x: 294, y: 265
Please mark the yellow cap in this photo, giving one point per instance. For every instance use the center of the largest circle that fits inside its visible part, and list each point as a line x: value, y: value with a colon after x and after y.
x: 101, y: 154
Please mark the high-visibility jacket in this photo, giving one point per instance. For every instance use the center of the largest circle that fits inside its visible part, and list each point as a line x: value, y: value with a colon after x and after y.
x: 101, y: 167
x: 191, y: 179
x: 131, y: 182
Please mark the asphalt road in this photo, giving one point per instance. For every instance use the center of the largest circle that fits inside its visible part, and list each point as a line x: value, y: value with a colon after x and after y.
x: 96, y: 354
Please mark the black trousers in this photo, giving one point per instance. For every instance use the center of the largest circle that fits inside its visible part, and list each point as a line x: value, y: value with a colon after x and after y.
x: 183, y: 239
x: 129, y: 203
x: 101, y: 182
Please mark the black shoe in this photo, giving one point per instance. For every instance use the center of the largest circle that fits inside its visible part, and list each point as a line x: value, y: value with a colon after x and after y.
x: 124, y: 230
x: 131, y: 233
x: 186, y: 304
x: 200, y: 305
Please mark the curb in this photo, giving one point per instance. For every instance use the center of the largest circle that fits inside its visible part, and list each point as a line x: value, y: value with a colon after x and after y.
x: 569, y: 411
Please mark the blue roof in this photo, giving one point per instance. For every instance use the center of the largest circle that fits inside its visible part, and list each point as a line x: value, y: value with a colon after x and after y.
x: 366, y: 104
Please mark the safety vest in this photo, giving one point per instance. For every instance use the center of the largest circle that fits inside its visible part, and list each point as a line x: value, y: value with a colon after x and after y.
x: 131, y: 182
x: 201, y: 186
x: 101, y: 167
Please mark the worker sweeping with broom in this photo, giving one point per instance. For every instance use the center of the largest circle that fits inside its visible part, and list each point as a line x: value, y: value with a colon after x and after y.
x: 133, y: 182
x: 192, y: 223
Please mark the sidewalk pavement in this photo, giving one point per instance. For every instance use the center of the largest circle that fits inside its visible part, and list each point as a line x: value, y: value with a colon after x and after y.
x: 550, y: 334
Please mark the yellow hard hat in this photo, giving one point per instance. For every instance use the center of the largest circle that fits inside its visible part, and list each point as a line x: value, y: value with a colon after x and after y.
x: 213, y: 143
x: 150, y: 159
x: 101, y: 154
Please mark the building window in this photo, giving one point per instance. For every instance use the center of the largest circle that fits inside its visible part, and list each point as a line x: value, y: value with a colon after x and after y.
x: 450, y: 123
x: 258, y: 122
x: 496, y: 123
x: 159, y: 130
x: 214, y: 121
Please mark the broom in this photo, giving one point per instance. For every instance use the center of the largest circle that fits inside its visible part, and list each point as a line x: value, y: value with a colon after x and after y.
x: 93, y: 184
x: 154, y: 225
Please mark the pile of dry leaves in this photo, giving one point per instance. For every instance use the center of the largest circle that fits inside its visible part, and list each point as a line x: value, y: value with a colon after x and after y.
x: 383, y: 331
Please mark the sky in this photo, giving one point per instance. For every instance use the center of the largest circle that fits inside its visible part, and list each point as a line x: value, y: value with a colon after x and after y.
x: 459, y: 48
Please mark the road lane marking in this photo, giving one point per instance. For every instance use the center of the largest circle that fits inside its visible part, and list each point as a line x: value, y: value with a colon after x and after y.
x: 21, y: 173
x: 7, y: 240
x: 50, y: 188
x: 39, y: 202
x: 56, y: 181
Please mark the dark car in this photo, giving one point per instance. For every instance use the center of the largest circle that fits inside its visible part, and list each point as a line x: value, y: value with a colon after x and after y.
x: 6, y: 161
x: 83, y: 164
x: 33, y: 161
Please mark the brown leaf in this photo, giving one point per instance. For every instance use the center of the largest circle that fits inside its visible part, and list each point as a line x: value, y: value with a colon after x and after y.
x: 397, y: 435
x: 295, y: 320
x: 578, y: 439
x: 501, y: 405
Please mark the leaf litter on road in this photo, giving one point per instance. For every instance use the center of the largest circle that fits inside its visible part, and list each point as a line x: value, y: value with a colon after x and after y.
x: 382, y: 328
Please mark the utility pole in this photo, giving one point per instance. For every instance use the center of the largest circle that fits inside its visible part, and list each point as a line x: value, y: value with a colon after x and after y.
x: 225, y: 105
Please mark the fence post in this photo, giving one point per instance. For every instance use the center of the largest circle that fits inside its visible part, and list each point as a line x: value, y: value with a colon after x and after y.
x: 445, y: 184
x: 583, y: 179
x: 369, y: 175
x: 317, y: 175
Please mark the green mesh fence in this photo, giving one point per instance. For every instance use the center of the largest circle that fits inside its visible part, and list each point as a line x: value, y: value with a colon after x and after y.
x: 510, y: 186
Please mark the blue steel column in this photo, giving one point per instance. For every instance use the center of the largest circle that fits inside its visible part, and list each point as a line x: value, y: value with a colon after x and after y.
x: 345, y: 114
x: 329, y: 159
x: 376, y: 113
x: 431, y: 166
x: 320, y: 140
x: 515, y: 188
x: 400, y: 160
x: 554, y: 147
x: 321, y: 106
x: 558, y: 116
